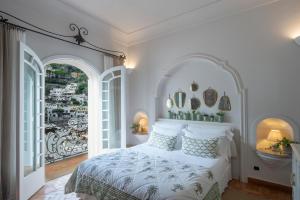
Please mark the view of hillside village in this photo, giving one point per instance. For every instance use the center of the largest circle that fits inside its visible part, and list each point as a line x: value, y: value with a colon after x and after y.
x: 66, y: 112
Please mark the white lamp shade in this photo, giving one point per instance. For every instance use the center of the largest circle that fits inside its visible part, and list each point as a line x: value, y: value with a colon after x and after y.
x: 274, y: 136
x: 297, y: 40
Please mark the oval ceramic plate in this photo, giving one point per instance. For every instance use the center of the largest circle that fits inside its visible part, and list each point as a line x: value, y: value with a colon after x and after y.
x: 194, y: 87
x: 195, y: 103
x: 179, y: 98
x: 210, y: 97
x: 169, y: 102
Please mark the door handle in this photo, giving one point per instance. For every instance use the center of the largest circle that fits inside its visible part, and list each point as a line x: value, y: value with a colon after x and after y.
x: 292, y: 179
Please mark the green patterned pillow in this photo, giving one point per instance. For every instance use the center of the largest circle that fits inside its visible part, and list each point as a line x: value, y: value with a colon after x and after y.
x: 162, y: 141
x: 206, y: 148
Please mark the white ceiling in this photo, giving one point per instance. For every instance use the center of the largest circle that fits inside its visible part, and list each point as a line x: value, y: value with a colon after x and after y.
x: 132, y: 15
x: 142, y: 19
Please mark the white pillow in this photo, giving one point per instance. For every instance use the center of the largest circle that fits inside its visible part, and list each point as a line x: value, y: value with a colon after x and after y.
x: 199, y: 130
x: 165, y: 131
x: 226, y: 146
x: 173, y: 126
x: 203, y: 134
x: 170, y: 130
x: 162, y: 141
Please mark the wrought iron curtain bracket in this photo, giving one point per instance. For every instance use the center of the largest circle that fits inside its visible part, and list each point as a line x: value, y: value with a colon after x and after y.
x: 79, y: 39
x: 2, y: 19
x: 80, y: 31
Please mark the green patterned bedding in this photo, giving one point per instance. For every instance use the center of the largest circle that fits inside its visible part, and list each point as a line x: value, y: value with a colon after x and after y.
x: 133, y: 175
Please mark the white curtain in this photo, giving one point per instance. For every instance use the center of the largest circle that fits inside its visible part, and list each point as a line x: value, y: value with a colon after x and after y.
x: 9, y: 89
x: 108, y: 62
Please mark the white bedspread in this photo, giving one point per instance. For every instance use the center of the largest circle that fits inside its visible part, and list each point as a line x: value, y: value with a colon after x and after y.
x: 219, y: 167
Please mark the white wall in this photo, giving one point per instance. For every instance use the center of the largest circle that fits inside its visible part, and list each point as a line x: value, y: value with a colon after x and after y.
x: 56, y: 17
x: 256, y: 43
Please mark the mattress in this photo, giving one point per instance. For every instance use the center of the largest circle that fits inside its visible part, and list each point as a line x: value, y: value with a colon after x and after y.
x: 83, y: 179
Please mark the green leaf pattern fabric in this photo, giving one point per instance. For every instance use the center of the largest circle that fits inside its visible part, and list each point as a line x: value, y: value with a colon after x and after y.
x: 162, y: 141
x: 133, y: 175
x: 206, y: 148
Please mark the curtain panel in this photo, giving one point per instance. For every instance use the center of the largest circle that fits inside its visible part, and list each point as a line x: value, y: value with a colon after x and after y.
x: 9, y: 103
x: 111, y: 61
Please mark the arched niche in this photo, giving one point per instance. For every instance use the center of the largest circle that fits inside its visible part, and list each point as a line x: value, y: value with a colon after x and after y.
x: 93, y: 75
x: 208, y: 71
x: 142, y: 121
x: 270, y: 129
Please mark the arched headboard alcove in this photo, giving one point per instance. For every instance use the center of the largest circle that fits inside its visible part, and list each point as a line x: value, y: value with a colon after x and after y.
x: 184, y: 70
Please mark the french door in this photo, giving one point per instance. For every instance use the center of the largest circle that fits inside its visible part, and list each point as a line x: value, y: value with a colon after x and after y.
x: 112, y: 108
x: 31, y: 137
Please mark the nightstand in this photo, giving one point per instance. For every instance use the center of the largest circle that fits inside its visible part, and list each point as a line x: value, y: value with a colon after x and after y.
x: 295, y: 177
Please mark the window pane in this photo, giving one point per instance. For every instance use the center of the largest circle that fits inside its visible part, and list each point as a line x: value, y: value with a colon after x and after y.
x: 104, y: 85
x: 104, y: 115
x: 39, y: 161
x: 29, y: 119
x: 27, y: 57
x: 105, y: 134
x: 105, y: 125
x: 117, y: 73
x: 107, y: 77
x: 105, y: 95
x: 105, y: 144
x: 115, y: 113
x: 104, y: 105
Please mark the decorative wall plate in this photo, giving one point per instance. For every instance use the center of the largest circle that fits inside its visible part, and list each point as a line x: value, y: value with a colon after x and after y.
x: 169, y: 102
x: 194, y: 86
x: 224, y: 103
x: 210, y: 97
x: 179, y: 98
x: 195, y: 103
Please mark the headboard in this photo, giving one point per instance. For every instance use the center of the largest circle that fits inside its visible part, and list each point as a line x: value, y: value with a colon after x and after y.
x: 202, y: 123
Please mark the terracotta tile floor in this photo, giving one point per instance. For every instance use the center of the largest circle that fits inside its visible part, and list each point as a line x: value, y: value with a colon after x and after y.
x: 257, y: 190
x: 63, y: 167
x: 54, y: 190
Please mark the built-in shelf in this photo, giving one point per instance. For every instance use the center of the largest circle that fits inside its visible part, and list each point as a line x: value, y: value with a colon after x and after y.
x: 270, y: 132
x: 274, y: 159
x: 140, y: 133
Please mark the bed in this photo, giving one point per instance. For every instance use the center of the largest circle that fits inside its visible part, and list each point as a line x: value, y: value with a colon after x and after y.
x: 148, y: 172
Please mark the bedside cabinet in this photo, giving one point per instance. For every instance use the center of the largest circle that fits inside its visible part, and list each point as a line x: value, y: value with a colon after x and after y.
x: 295, y: 176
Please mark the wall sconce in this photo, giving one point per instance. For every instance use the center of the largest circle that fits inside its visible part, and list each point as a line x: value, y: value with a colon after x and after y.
x: 130, y: 66
x: 297, y: 40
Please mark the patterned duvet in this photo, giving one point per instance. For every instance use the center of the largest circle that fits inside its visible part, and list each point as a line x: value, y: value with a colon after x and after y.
x: 132, y: 175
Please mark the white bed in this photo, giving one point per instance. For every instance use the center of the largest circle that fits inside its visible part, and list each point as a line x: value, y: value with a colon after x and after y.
x: 219, y: 166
